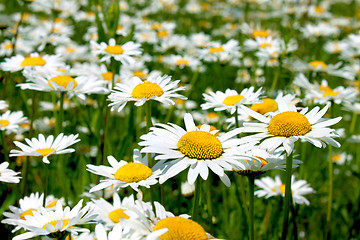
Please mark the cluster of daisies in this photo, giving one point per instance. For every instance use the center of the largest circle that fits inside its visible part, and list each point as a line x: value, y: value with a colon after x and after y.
x: 127, y: 67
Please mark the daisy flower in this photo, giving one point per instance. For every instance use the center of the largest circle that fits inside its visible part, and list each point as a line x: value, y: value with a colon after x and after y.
x: 78, y: 86
x: 123, y: 53
x: 34, y: 61
x: 3, y: 105
x: 159, y: 88
x: 221, y: 52
x: 27, y: 206
x: 154, y: 224
x: 270, y: 188
x: 125, y: 174
x: 181, y: 62
x: 56, y: 224
x: 45, y: 147
x: 8, y: 175
x: 11, y: 121
x: 231, y: 99
x: 112, y: 214
x: 260, y: 161
x: 288, y: 125
x: 199, y: 149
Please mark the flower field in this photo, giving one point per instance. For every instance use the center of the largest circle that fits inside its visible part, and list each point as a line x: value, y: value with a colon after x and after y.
x: 179, y: 119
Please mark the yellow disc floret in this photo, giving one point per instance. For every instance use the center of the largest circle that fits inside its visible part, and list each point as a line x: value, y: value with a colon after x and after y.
x: 260, y: 33
x: 182, y: 62
x: 54, y: 223
x: 316, y: 64
x: 118, y: 214
x: 216, y: 49
x: 117, y: 50
x: 289, y: 124
x: 27, y: 212
x: 147, y: 90
x: 265, y: 105
x: 328, y: 91
x: 108, y: 76
x: 133, y: 172
x: 232, y: 100
x: 62, y: 81
x: 4, y: 123
x: 33, y: 61
x: 45, y: 151
x: 181, y: 229
x: 140, y: 74
x: 200, y: 145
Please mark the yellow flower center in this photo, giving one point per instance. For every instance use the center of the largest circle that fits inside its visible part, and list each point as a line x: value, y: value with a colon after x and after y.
x: 260, y: 33
x: 282, y: 188
x: 107, y: 76
x: 117, y: 214
x: 147, y: 90
x: 114, y: 49
x: 182, y: 62
x: 289, y: 124
x: 319, y: 9
x: 4, y: 123
x: 212, y: 115
x: 140, y: 74
x: 328, y: 91
x: 119, y: 27
x: 33, y: 61
x: 315, y: 64
x: 8, y: 46
x: 336, y: 157
x: 54, y: 222
x: 70, y: 49
x: 155, y: 26
x: 162, y: 33
x: 266, y: 105
x: 232, y: 100
x: 216, y: 49
x: 62, y: 81
x: 133, y: 172
x: 200, y: 145
x: 264, y: 45
x: 51, y: 204
x: 181, y: 229
x: 27, y: 212
x: 45, y: 151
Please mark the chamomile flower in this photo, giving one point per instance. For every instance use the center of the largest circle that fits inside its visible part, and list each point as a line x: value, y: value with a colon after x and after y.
x: 288, y: 125
x: 221, y: 52
x: 10, y: 121
x: 261, y: 161
x: 27, y: 206
x: 270, y: 188
x: 3, y: 105
x: 123, y: 53
x: 56, y: 224
x: 125, y: 174
x: 112, y: 214
x: 159, y: 88
x: 45, y: 147
x: 8, y: 175
x: 230, y: 100
x: 198, y: 149
x: 182, y: 62
x: 34, y: 61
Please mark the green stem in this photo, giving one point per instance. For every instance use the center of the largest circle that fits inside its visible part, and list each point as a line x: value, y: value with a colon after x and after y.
x: 353, y: 123
x: 276, y: 77
x: 330, y: 194
x: 17, y: 29
x: 289, y: 161
x: 3, y: 142
x: 196, y: 199
x: 192, y: 83
x: 46, y: 179
x: 251, y: 207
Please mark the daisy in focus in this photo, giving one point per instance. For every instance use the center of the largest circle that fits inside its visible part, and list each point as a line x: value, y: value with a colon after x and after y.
x: 123, y: 53
x: 230, y: 100
x: 34, y: 61
x: 124, y: 174
x: 10, y: 121
x: 270, y: 188
x: 159, y: 88
x: 288, y: 125
x: 56, y: 224
x: 8, y: 175
x: 198, y: 149
x: 44, y: 148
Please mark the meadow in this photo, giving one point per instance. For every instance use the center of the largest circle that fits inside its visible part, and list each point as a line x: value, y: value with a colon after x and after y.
x: 179, y: 119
